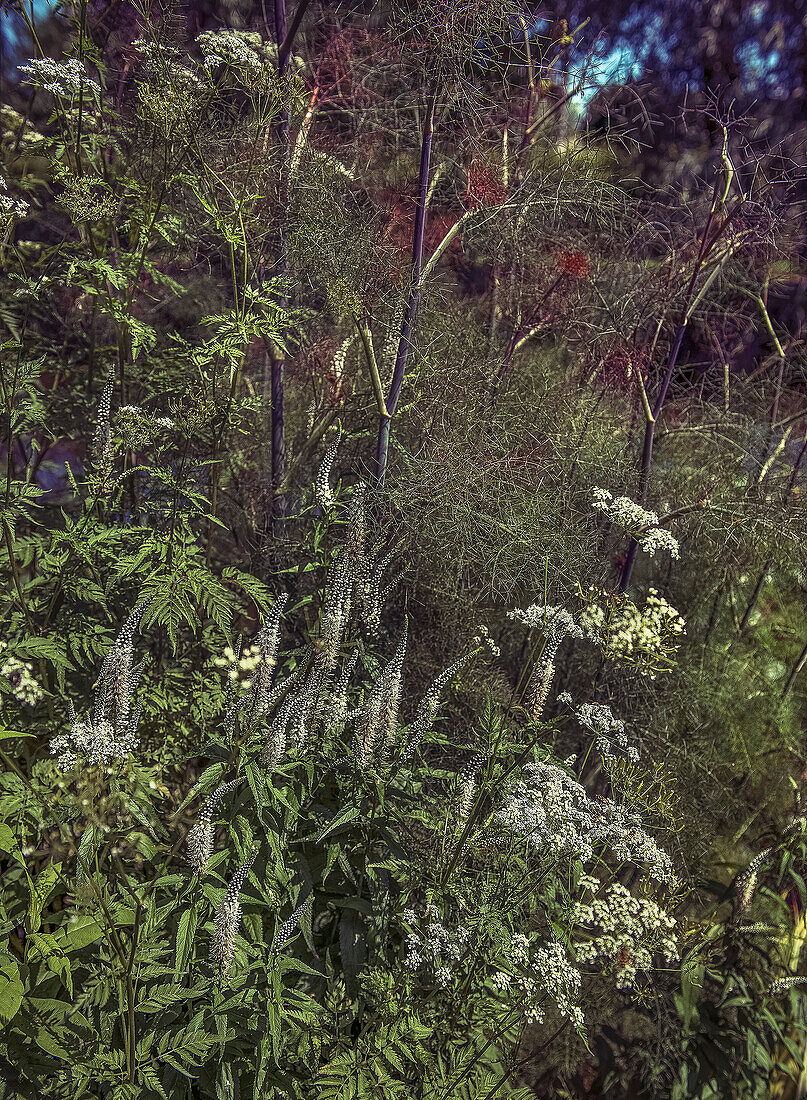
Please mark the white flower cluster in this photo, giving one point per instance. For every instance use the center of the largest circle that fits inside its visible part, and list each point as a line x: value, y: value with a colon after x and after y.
x: 239, y: 669
x: 9, y: 207
x: 138, y: 426
x: 548, y: 973
x: 610, y: 731
x: 554, y: 814
x: 627, y: 932
x: 432, y: 947
x: 240, y: 50
x: 659, y: 539
x: 19, y: 675
x: 483, y: 638
x: 645, y: 637
x: 556, y: 622
x: 623, y: 511
x: 111, y: 733
x: 60, y: 78
x: 643, y: 525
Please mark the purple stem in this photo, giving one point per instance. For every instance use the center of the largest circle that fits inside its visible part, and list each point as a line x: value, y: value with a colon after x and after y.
x: 407, y: 324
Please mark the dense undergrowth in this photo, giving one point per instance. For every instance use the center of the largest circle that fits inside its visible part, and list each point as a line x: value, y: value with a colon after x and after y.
x: 403, y: 654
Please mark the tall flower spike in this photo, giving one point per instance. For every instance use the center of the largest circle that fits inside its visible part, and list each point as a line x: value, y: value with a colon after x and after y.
x: 200, y: 837
x: 289, y: 925
x: 746, y: 883
x: 466, y: 789
x: 266, y: 640
x: 428, y: 708
x: 102, y: 440
x: 392, y: 678
x: 337, y: 611
x: 322, y: 489
x: 227, y: 920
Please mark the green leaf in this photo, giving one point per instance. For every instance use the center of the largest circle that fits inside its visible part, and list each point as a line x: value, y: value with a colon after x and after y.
x: 344, y: 817
x: 12, y: 989
x: 40, y: 892
x: 186, y: 930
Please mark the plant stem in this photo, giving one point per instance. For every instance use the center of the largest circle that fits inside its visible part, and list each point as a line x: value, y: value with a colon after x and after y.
x: 407, y: 324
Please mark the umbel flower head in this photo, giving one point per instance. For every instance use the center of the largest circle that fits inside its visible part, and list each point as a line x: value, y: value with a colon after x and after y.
x: 227, y: 920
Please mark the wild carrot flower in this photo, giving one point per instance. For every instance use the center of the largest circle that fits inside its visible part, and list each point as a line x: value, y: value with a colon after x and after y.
x: 61, y: 78
x: 626, y: 933
x: 227, y: 920
x: 19, y: 674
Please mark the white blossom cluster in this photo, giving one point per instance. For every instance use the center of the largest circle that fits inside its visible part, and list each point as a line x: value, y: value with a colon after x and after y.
x: 110, y: 734
x: 19, y: 675
x: 610, y: 731
x: 645, y: 637
x: 10, y: 207
x: 532, y: 979
x: 431, y: 947
x: 239, y: 668
x: 659, y: 539
x: 553, y: 812
x: 626, y: 934
x: 643, y: 525
x: 555, y: 622
x: 60, y: 78
x: 138, y: 426
x: 484, y: 639
x: 240, y: 50
x: 623, y: 511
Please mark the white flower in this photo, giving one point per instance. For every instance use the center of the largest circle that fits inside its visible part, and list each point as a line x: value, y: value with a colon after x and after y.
x: 61, y: 78
x: 626, y: 933
x: 659, y: 539
x: 623, y: 511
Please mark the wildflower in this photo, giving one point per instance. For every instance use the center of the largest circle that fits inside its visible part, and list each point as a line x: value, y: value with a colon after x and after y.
x: 289, y: 925
x: 659, y: 539
x: 322, y: 489
x: 466, y: 787
x: 339, y: 589
x: 60, y: 78
x: 432, y: 947
x: 102, y: 448
x: 644, y: 637
x: 428, y: 708
x: 745, y: 885
x: 626, y: 933
x: 266, y: 642
x: 783, y: 985
x: 200, y: 836
x: 553, y: 812
x: 9, y: 207
x: 19, y: 674
x: 643, y: 525
x: 610, y: 731
x: 227, y: 920
x: 623, y: 511
x: 110, y: 734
